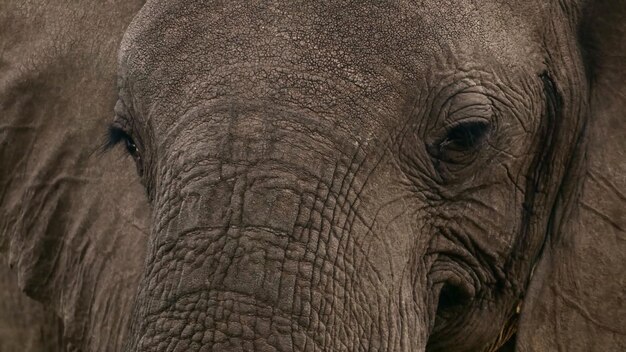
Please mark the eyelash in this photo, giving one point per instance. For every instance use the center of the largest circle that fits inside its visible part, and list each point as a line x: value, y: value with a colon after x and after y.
x: 116, y: 135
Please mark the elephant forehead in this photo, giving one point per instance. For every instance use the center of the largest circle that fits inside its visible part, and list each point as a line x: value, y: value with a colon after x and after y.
x: 333, y: 35
x: 329, y: 52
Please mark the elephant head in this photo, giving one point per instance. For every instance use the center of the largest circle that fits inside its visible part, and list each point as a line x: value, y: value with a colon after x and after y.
x: 380, y: 176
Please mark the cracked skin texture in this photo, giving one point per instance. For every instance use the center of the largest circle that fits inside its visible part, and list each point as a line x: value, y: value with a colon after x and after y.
x: 328, y: 176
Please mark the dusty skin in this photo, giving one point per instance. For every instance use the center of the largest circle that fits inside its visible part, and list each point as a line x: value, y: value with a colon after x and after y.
x: 283, y: 176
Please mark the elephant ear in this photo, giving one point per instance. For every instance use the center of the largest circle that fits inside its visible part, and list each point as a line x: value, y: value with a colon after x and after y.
x: 576, y: 300
x: 73, y: 223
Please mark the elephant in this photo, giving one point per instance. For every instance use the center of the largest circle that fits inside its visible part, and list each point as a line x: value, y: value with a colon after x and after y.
x: 317, y: 176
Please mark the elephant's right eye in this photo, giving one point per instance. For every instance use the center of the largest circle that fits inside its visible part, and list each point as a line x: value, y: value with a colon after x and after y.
x: 131, y: 147
x: 117, y: 135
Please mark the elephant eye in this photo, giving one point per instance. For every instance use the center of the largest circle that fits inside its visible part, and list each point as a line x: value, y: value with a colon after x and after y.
x: 465, y: 136
x: 117, y: 135
x: 460, y: 141
x: 131, y: 147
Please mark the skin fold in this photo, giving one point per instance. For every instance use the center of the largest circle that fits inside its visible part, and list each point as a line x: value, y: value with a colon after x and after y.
x: 317, y: 176
x: 26, y: 324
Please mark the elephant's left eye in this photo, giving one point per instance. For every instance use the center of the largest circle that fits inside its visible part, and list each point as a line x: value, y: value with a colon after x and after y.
x: 461, y: 141
x: 465, y: 136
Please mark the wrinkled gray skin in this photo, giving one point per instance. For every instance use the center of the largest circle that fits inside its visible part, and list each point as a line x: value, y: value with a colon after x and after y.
x: 385, y: 176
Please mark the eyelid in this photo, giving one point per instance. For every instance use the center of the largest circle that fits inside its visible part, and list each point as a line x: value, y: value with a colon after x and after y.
x: 120, y: 109
x: 478, y: 109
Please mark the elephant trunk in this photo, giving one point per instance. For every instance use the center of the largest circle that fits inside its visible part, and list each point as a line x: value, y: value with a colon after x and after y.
x: 261, y: 278
x: 260, y: 255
